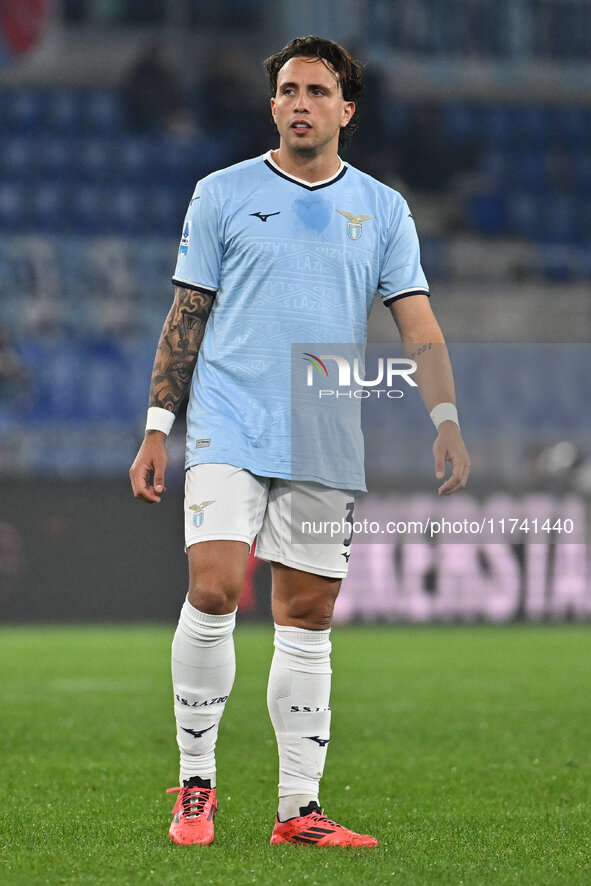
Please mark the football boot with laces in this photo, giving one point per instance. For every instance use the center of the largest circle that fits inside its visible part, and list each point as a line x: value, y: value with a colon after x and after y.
x: 313, y: 828
x: 194, y: 813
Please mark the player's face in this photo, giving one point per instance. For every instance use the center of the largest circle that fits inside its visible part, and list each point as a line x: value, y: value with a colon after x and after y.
x: 308, y: 108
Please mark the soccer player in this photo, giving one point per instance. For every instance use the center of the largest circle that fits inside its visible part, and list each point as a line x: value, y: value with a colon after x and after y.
x: 285, y: 248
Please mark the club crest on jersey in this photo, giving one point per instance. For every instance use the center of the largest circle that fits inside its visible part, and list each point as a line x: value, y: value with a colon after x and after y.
x: 354, y: 229
x: 184, y: 247
x: 199, y: 516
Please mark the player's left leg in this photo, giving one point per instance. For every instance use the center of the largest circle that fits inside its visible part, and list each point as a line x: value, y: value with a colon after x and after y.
x: 298, y: 694
x: 299, y: 682
x: 299, y: 706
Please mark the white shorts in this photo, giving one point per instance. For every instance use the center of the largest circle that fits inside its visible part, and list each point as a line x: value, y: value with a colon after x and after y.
x: 304, y: 525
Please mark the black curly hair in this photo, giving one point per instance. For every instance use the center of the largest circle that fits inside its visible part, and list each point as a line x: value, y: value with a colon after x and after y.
x: 341, y: 63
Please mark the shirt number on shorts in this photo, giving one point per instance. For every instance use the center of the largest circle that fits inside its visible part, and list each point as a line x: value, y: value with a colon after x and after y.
x: 349, y: 508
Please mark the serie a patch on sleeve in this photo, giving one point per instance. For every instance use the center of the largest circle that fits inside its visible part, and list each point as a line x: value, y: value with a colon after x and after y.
x: 186, y: 236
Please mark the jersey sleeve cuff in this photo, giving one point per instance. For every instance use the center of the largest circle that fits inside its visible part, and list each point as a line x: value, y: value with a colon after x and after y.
x: 198, y: 287
x: 404, y: 293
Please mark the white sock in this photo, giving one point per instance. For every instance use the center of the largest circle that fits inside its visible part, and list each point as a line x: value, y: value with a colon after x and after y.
x: 298, y: 699
x: 203, y: 669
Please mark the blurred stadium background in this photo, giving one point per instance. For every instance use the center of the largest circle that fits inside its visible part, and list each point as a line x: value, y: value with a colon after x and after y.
x: 478, y: 111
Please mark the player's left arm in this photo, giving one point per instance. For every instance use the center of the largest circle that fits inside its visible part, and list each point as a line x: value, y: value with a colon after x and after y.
x: 424, y: 343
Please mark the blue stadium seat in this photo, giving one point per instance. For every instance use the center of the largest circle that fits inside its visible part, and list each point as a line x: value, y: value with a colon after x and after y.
x: 154, y: 261
x: 15, y: 207
x: 494, y: 164
x: 170, y: 220
x: 523, y: 210
x: 560, y: 374
x: 5, y: 103
x: 125, y: 210
x: 164, y: 208
x: 571, y: 127
x: 139, y: 358
x: 528, y: 169
x: 63, y: 111
x: 92, y: 159
x: 395, y: 116
x: 499, y: 125
x: 101, y: 383
x: 49, y: 207
x: 534, y: 124
x: 87, y: 209
x: 24, y: 108
x: 102, y: 111
x: 71, y: 258
x: 434, y: 257
x: 581, y: 169
x: 550, y: 218
x: 63, y: 398
x: 55, y: 159
x: 559, y: 217
x: 137, y: 159
x: 38, y: 354
x: 584, y: 226
x: 178, y: 158
x: 461, y: 120
x: 75, y: 381
x: 19, y: 158
x: 211, y: 154
x: 10, y: 280
x: 488, y: 213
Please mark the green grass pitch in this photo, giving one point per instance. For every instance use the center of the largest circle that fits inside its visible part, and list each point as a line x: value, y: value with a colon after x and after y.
x: 464, y: 750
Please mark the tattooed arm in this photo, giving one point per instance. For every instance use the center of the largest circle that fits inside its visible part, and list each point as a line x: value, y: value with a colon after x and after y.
x: 175, y: 361
x: 178, y: 348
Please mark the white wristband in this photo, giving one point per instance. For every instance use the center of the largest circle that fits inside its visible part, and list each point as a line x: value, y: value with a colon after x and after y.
x: 444, y: 412
x: 159, y: 420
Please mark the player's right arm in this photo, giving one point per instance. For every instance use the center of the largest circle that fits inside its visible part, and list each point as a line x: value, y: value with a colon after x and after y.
x: 176, y: 356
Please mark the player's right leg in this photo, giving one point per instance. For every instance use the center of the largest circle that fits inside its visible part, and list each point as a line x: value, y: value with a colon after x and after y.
x: 223, y: 510
x: 306, y: 581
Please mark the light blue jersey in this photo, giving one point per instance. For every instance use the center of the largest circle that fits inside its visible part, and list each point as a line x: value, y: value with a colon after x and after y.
x: 289, y: 262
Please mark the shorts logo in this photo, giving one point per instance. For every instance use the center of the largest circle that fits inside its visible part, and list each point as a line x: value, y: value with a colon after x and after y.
x: 199, y: 516
x: 184, y: 247
x: 354, y: 224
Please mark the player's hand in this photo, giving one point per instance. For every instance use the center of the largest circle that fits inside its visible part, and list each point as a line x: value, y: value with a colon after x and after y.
x: 449, y: 446
x: 151, y: 460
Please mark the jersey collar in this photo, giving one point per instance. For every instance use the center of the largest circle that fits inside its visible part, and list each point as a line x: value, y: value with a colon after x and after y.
x: 299, y: 181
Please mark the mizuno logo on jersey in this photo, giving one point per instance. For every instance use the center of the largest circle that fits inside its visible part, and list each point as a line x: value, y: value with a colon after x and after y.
x: 264, y: 217
x: 354, y: 223
x: 319, y: 741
